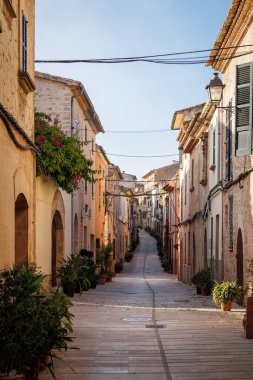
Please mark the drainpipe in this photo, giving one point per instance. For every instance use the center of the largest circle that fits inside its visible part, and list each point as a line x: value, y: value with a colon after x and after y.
x: 71, y: 133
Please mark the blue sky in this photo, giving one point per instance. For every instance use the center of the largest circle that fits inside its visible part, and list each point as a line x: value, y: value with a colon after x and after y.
x: 132, y: 96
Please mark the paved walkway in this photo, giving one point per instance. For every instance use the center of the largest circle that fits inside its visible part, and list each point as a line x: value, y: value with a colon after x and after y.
x: 145, y: 325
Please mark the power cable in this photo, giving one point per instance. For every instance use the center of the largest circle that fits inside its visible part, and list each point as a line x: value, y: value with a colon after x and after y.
x: 140, y: 156
x: 133, y: 131
x: 157, y: 57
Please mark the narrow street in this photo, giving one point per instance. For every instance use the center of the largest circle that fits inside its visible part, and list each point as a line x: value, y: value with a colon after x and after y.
x: 147, y: 325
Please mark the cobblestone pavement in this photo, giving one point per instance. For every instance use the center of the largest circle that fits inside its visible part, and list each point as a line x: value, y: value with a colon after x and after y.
x: 145, y: 325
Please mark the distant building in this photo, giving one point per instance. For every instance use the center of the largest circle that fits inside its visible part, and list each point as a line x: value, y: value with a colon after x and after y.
x: 101, y: 165
x: 154, y: 181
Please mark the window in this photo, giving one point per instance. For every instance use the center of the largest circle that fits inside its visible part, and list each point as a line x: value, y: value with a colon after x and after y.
x: 231, y: 226
x: 211, y: 245
x: 229, y: 170
x: 243, y: 128
x: 24, y: 43
x: 76, y: 125
x: 85, y: 186
x: 92, y: 145
x: 185, y: 189
x: 92, y: 187
x: 192, y: 184
x: 85, y: 135
x: 214, y: 148
x: 99, y: 196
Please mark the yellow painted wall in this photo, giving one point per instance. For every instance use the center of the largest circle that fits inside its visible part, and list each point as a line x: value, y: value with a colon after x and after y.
x: 17, y: 166
x: 100, y: 166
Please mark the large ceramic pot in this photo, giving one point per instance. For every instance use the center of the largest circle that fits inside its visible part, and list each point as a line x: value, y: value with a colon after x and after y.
x: 226, y: 306
x: 102, y: 279
x: 69, y: 288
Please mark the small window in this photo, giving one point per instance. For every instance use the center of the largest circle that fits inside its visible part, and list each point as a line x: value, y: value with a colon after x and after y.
x: 76, y: 125
x: 85, y: 135
x: 214, y: 147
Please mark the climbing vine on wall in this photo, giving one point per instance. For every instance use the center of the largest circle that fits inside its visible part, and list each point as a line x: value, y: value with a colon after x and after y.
x: 61, y: 155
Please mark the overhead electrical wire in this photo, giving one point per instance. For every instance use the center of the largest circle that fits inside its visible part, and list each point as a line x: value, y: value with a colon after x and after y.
x: 157, y: 58
x: 131, y: 131
x: 140, y: 156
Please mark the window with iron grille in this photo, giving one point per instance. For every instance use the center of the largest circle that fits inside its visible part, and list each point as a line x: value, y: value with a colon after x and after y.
x: 24, y: 43
x: 243, y: 127
x: 229, y: 167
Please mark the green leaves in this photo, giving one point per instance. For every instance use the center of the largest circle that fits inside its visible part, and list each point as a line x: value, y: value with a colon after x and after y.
x: 61, y: 155
x: 226, y: 291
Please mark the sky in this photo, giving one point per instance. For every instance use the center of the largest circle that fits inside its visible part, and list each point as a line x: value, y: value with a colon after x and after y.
x: 131, y: 96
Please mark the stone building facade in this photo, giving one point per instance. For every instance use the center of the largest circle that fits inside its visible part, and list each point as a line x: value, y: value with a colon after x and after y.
x: 171, y: 212
x: 68, y: 100
x: 193, y: 124
x: 18, y: 152
x: 236, y: 137
x: 113, y: 228
x: 101, y: 164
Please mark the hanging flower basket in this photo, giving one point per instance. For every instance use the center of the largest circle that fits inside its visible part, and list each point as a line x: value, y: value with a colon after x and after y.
x: 61, y: 155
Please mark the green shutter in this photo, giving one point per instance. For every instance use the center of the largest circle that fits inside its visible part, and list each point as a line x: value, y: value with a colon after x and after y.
x: 24, y: 43
x: 243, y: 110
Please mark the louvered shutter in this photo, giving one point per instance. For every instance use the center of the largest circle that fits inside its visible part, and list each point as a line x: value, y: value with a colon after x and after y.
x: 243, y: 110
x: 24, y: 43
x: 229, y: 168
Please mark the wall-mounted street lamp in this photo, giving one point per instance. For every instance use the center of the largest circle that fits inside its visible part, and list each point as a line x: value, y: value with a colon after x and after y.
x: 215, y: 89
x: 215, y: 92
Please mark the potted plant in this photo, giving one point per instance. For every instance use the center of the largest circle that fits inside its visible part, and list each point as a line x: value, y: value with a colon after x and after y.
x: 128, y: 256
x: 119, y: 266
x: 225, y: 293
x: 204, y: 278
x: 195, y: 281
x: 104, y: 260
x: 81, y: 265
x: 110, y: 276
x: 91, y: 267
x: 68, y: 275
x: 33, y: 323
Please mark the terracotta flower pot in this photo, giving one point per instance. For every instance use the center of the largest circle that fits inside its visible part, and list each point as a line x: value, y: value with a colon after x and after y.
x: 205, y: 292
x: 102, y: 279
x: 227, y: 306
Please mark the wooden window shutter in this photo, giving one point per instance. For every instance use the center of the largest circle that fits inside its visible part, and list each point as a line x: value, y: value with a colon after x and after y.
x: 229, y: 166
x: 243, y: 110
x: 24, y: 43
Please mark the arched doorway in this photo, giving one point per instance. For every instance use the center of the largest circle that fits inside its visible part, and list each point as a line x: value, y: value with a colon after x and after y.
x: 193, y: 254
x: 57, y: 244
x: 205, y: 249
x: 21, y: 230
x: 239, y: 258
x: 75, y: 234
